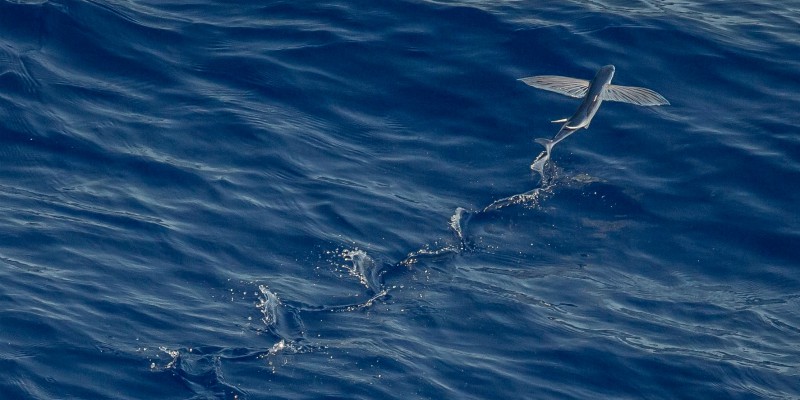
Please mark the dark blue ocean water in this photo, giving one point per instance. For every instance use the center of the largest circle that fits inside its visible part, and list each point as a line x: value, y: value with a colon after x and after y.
x: 288, y: 199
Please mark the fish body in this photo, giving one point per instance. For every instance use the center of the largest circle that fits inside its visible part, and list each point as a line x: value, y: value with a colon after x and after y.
x: 592, y: 100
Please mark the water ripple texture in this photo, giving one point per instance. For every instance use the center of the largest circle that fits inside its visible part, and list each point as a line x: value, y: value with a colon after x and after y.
x: 271, y: 199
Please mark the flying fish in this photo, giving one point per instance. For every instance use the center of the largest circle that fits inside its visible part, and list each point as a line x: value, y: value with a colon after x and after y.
x: 593, y: 93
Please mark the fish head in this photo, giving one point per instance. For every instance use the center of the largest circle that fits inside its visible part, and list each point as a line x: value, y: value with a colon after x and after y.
x: 605, y: 74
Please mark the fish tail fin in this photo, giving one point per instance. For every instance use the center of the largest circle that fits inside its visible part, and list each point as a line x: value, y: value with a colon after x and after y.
x: 541, y: 160
x: 547, y: 143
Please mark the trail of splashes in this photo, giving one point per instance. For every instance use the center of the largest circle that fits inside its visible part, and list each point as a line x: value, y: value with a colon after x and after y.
x: 458, y: 222
x: 358, y: 306
x: 361, y: 266
x: 428, y: 253
x: 461, y: 217
x: 530, y: 198
x: 550, y: 180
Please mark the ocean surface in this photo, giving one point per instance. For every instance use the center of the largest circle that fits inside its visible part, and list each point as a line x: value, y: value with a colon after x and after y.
x: 334, y: 199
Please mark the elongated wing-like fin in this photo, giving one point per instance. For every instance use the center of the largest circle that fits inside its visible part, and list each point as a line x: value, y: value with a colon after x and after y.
x: 560, y: 84
x: 634, y: 95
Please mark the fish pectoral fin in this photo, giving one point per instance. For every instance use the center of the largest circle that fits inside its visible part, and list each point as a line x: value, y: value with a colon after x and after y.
x: 560, y: 84
x: 577, y: 127
x: 560, y: 121
x: 634, y: 95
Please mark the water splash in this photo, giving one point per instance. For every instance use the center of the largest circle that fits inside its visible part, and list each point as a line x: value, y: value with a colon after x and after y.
x: 539, y: 162
x: 456, y: 222
x: 361, y: 266
x: 268, y: 305
x: 175, y: 357
x: 281, y: 321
